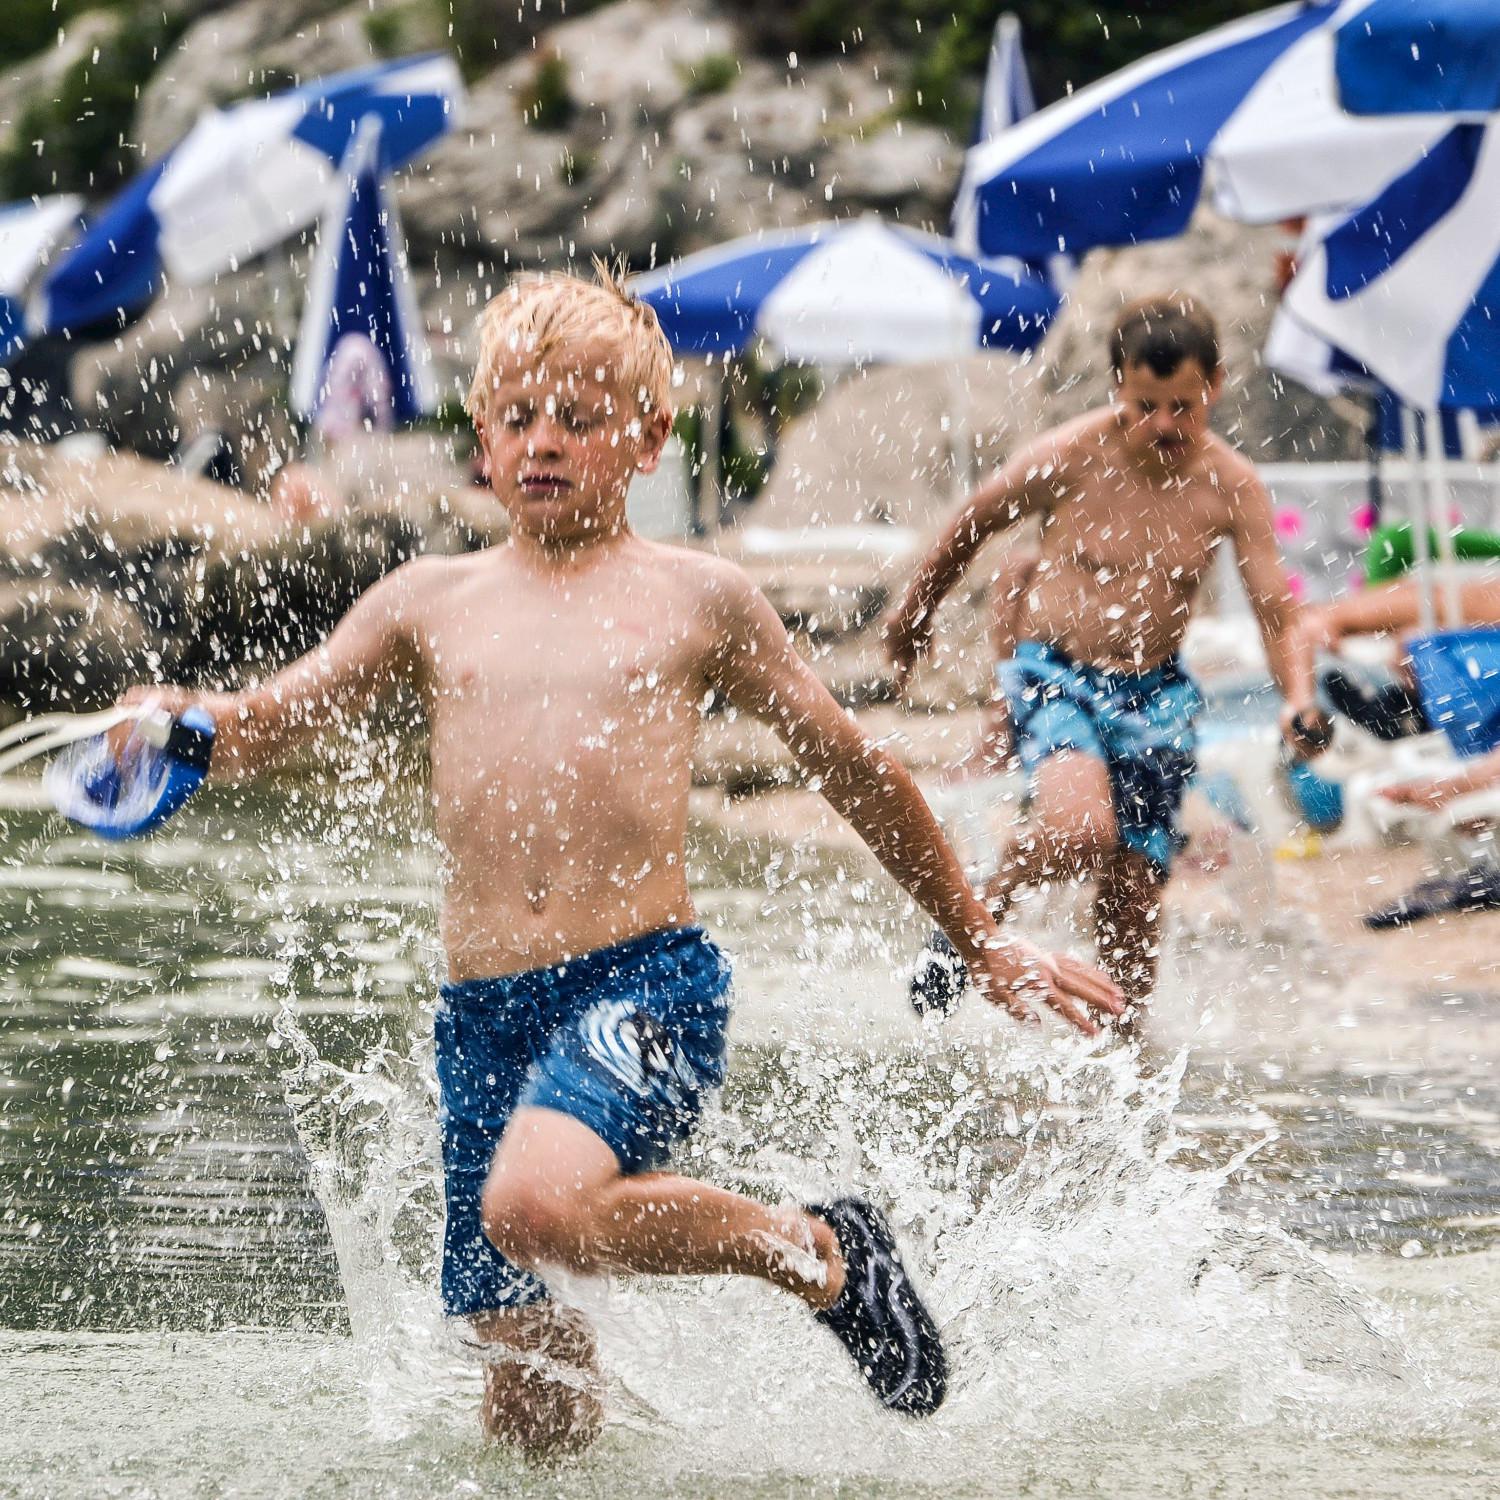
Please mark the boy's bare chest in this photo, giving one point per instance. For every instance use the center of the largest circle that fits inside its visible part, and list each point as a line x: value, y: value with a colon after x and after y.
x: 1136, y: 532
x: 590, y: 660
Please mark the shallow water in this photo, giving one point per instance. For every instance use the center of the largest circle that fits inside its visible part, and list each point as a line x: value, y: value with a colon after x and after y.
x: 1271, y: 1266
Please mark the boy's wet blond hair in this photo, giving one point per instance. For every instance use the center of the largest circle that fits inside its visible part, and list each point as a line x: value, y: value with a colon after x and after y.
x: 539, y: 313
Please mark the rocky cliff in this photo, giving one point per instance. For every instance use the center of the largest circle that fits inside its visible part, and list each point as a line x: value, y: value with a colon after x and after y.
x: 641, y: 127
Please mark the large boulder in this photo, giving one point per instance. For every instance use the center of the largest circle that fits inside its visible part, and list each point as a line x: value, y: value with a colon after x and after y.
x: 899, y: 444
x: 117, y: 569
x: 665, y: 135
x: 67, y: 646
x: 239, y: 49
x: 39, y: 77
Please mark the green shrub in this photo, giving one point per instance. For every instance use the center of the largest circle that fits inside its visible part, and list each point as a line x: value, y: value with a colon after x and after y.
x: 575, y: 165
x: 31, y: 26
x: 546, y: 103
x: 385, y: 30
x: 485, y: 33
x: 84, y: 125
x: 945, y: 42
x: 710, y: 74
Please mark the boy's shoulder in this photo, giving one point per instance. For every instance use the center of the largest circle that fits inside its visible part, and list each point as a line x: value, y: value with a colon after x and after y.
x: 412, y: 595
x: 705, y: 575
x: 424, y: 578
x: 716, y: 594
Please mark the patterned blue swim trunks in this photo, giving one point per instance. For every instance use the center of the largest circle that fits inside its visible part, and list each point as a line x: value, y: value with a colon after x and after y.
x: 626, y: 1040
x: 1141, y: 725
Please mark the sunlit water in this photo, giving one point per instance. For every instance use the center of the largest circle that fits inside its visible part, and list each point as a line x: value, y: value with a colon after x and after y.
x: 1269, y: 1268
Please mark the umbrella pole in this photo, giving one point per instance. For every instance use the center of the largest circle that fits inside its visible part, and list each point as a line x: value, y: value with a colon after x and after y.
x: 1416, y: 510
x: 960, y: 441
x: 1438, y: 492
x: 711, y: 428
x: 1374, y: 478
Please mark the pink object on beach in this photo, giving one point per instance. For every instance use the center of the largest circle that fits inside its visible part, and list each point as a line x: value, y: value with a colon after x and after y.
x: 1288, y: 523
x: 356, y: 393
x: 1363, y: 520
x: 1296, y: 585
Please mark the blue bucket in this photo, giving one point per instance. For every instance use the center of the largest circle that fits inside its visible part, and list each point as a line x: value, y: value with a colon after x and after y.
x: 1458, y: 679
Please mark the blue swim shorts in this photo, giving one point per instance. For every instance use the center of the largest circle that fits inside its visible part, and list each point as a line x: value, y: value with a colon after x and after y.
x: 626, y: 1040
x: 1141, y: 725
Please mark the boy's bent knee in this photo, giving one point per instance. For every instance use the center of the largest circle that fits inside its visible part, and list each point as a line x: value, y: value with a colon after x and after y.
x: 1074, y: 810
x: 529, y: 1223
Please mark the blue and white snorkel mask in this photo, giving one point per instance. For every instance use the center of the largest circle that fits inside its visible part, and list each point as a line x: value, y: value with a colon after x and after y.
x: 161, y: 765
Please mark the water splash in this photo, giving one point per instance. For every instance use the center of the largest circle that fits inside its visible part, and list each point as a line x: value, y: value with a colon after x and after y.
x: 1071, y: 1255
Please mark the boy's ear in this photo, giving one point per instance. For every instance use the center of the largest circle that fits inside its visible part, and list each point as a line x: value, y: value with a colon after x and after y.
x: 656, y: 429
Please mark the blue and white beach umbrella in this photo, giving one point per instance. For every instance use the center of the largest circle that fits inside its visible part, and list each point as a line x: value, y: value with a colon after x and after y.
x: 360, y: 300
x: 28, y: 232
x: 1249, y: 110
x: 1294, y: 349
x: 855, y: 292
x: 1409, y: 285
x: 1399, y: 57
x: 243, y: 179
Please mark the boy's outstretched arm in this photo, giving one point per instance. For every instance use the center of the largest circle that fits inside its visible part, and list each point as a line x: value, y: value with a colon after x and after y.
x: 758, y: 670
x: 371, y: 648
x: 1024, y: 485
x: 1288, y: 654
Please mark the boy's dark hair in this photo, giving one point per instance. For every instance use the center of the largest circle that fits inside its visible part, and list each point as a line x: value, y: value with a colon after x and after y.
x: 1161, y: 332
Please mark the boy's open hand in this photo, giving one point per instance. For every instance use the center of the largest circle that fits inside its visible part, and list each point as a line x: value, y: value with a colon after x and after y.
x: 1307, y: 730
x: 1016, y: 975
x: 906, y: 633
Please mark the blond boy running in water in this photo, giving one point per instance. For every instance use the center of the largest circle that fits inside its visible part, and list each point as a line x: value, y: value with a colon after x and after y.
x: 1134, y: 500
x: 563, y: 676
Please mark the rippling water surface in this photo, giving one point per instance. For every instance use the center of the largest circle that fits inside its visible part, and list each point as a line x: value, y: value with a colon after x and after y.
x: 1269, y: 1266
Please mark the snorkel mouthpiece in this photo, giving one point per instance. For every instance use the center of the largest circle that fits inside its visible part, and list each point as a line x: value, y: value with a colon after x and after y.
x: 124, y: 796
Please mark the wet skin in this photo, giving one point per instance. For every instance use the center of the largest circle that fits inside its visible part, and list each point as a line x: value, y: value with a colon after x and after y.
x: 1132, y: 502
x: 563, y: 675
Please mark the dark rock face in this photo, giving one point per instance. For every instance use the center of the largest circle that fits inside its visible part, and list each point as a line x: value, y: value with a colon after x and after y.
x: 645, y: 127
x: 67, y: 646
x: 117, y: 571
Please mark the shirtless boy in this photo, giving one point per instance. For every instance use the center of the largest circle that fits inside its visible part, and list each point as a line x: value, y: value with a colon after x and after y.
x: 563, y: 675
x: 1133, y: 500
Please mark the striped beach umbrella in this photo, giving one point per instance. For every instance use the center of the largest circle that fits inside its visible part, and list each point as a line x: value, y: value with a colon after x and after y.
x: 1402, y: 57
x: 1249, y: 112
x: 848, y: 292
x: 1409, y: 284
x: 243, y: 179
x: 28, y: 233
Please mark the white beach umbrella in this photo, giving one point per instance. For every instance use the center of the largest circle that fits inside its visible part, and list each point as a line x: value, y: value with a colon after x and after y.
x: 242, y: 180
